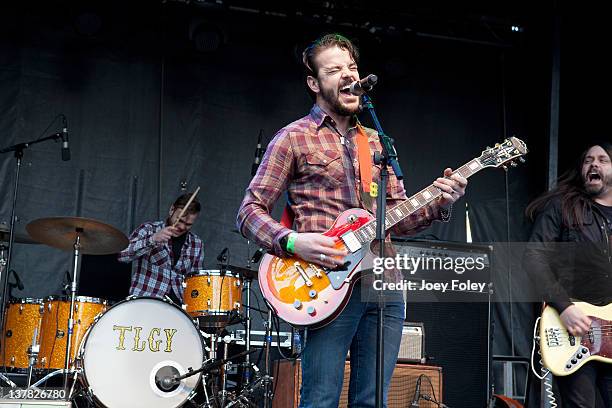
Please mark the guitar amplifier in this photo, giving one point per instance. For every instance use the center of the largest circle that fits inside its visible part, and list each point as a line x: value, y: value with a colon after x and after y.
x: 458, y: 326
x: 288, y: 380
x: 412, y: 345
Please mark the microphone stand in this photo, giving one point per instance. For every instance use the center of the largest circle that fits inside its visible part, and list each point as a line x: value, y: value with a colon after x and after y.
x: 388, y: 157
x: 18, y: 150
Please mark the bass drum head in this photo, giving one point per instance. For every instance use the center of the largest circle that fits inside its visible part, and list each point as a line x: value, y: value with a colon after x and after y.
x: 135, y: 344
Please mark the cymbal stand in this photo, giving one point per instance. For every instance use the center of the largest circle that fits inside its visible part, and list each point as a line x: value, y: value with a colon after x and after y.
x: 76, y: 268
x: 33, y: 355
x: 2, y: 270
x: 267, y: 379
x: 247, y: 286
x: 223, y: 378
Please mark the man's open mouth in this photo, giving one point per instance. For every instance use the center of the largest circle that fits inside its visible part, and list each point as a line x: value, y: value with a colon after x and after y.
x: 346, y: 90
x: 593, y: 176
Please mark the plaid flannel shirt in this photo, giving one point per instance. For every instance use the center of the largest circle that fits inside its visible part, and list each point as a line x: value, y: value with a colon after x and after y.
x: 320, y: 170
x: 154, y: 274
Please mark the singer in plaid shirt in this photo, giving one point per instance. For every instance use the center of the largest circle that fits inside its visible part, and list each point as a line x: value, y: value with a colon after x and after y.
x: 316, y: 160
x: 164, y: 253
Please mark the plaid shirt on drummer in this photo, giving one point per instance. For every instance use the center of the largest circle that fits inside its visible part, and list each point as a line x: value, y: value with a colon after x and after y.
x: 320, y: 170
x: 154, y: 274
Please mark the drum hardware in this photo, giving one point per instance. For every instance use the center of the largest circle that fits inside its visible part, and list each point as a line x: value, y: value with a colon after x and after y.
x: 33, y: 351
x: 82, y: 236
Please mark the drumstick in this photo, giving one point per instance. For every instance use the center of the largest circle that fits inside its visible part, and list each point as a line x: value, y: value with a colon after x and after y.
x: 185, y: 207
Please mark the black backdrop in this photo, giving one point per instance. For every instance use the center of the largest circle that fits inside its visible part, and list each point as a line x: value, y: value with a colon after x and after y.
x: 147, y: 111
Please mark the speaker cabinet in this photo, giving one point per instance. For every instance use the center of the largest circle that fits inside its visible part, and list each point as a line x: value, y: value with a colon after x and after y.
x: 458, y: 332
x: 401, y: 390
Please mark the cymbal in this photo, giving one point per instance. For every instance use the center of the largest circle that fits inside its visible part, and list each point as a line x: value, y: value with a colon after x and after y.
x: 96, y: 238
x: 243, y: 271
x: 20, y: 238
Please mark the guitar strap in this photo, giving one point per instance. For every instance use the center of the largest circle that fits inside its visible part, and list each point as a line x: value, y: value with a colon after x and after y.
x: 365, y: 169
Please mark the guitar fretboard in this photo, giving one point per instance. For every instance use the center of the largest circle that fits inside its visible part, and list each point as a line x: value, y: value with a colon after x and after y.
x: 367, y: 232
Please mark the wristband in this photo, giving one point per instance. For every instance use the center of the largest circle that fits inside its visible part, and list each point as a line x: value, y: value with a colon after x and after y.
x: 290, y: 242
x: 445, y: 213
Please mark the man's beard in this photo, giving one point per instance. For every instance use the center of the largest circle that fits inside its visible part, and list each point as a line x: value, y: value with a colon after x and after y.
x: 597, y: 190
x: 333, y: 101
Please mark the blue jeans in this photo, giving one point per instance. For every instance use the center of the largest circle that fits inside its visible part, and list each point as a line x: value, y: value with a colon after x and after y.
x: 325, y: 349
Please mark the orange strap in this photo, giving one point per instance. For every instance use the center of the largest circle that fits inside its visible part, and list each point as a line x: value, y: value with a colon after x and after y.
x: 365, y: 159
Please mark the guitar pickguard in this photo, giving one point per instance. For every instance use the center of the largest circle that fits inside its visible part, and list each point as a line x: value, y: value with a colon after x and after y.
x: 342, y: 275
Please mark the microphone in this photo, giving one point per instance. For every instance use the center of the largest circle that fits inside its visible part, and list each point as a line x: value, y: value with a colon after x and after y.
x: 258, y: 154
x: 167, y: 383
x: 65, y: 147
x: 222, y: 259
x: 364, y: 85
x: 417, y: 393
x: 439, y: 404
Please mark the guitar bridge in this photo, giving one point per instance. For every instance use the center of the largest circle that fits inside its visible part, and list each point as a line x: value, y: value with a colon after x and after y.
x: 303, y: 274
x: 553, y: 337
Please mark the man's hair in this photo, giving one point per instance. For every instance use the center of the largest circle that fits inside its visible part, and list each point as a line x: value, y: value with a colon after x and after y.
x: 570, y: 188
x: 322, y: 43
x: 194, y: 207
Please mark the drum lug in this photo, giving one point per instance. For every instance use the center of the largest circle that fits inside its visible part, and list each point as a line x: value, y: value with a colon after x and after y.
x: 237, y: 305
x: 238, y: 283
x: 208, y: 280
x: 208, y: 302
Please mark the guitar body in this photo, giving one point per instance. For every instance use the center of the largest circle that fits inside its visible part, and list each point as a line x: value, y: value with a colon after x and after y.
x: 305, y: 294
x: 563, y: 353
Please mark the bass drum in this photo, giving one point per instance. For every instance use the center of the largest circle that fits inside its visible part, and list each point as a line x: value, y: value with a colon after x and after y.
x: 132, y: 347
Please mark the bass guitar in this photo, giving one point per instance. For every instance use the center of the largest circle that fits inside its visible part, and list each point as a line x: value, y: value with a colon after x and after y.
x: 563, y: 353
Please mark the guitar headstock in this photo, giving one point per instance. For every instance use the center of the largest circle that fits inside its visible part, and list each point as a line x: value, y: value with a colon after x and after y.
x: 504, y: 154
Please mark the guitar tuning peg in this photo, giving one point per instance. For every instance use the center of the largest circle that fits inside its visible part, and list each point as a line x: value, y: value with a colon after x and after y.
x: 488, y: 147
x: 522, y: 159
x: 497, y: 145
x: 513, y: 163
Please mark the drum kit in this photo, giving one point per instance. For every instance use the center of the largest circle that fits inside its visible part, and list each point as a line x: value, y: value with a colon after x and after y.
x: 141, y: 351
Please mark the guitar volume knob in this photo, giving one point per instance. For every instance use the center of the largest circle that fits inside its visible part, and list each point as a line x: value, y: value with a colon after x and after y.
x: 311, y: 310
x: 297, y: 304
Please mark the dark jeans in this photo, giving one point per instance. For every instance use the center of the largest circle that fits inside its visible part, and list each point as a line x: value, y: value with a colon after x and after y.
x: 325, y: 351
x: 589, y: 387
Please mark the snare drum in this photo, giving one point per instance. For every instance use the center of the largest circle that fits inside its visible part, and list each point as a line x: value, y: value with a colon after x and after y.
x: 22, y: 323
x: 132, y: 347
x: 54, y: 330
x: 213, y: 297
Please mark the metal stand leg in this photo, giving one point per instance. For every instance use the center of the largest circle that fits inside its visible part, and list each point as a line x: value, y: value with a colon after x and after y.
x: 73, y: 292
x: 267, y: 378
x: 247, y: 361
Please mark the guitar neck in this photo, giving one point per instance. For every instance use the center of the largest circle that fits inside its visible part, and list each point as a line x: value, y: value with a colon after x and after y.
x: 414, y: 203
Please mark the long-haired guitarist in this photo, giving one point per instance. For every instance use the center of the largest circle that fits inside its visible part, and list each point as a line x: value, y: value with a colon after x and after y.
x: 316, y: 159
x: 573, y: 223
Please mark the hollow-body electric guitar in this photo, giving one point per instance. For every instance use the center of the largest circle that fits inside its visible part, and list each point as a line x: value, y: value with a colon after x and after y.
x: 563, y: 353
x: 306, y: 294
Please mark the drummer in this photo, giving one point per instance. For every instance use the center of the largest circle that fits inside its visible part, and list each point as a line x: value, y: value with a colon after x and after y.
x: 165, y: 252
